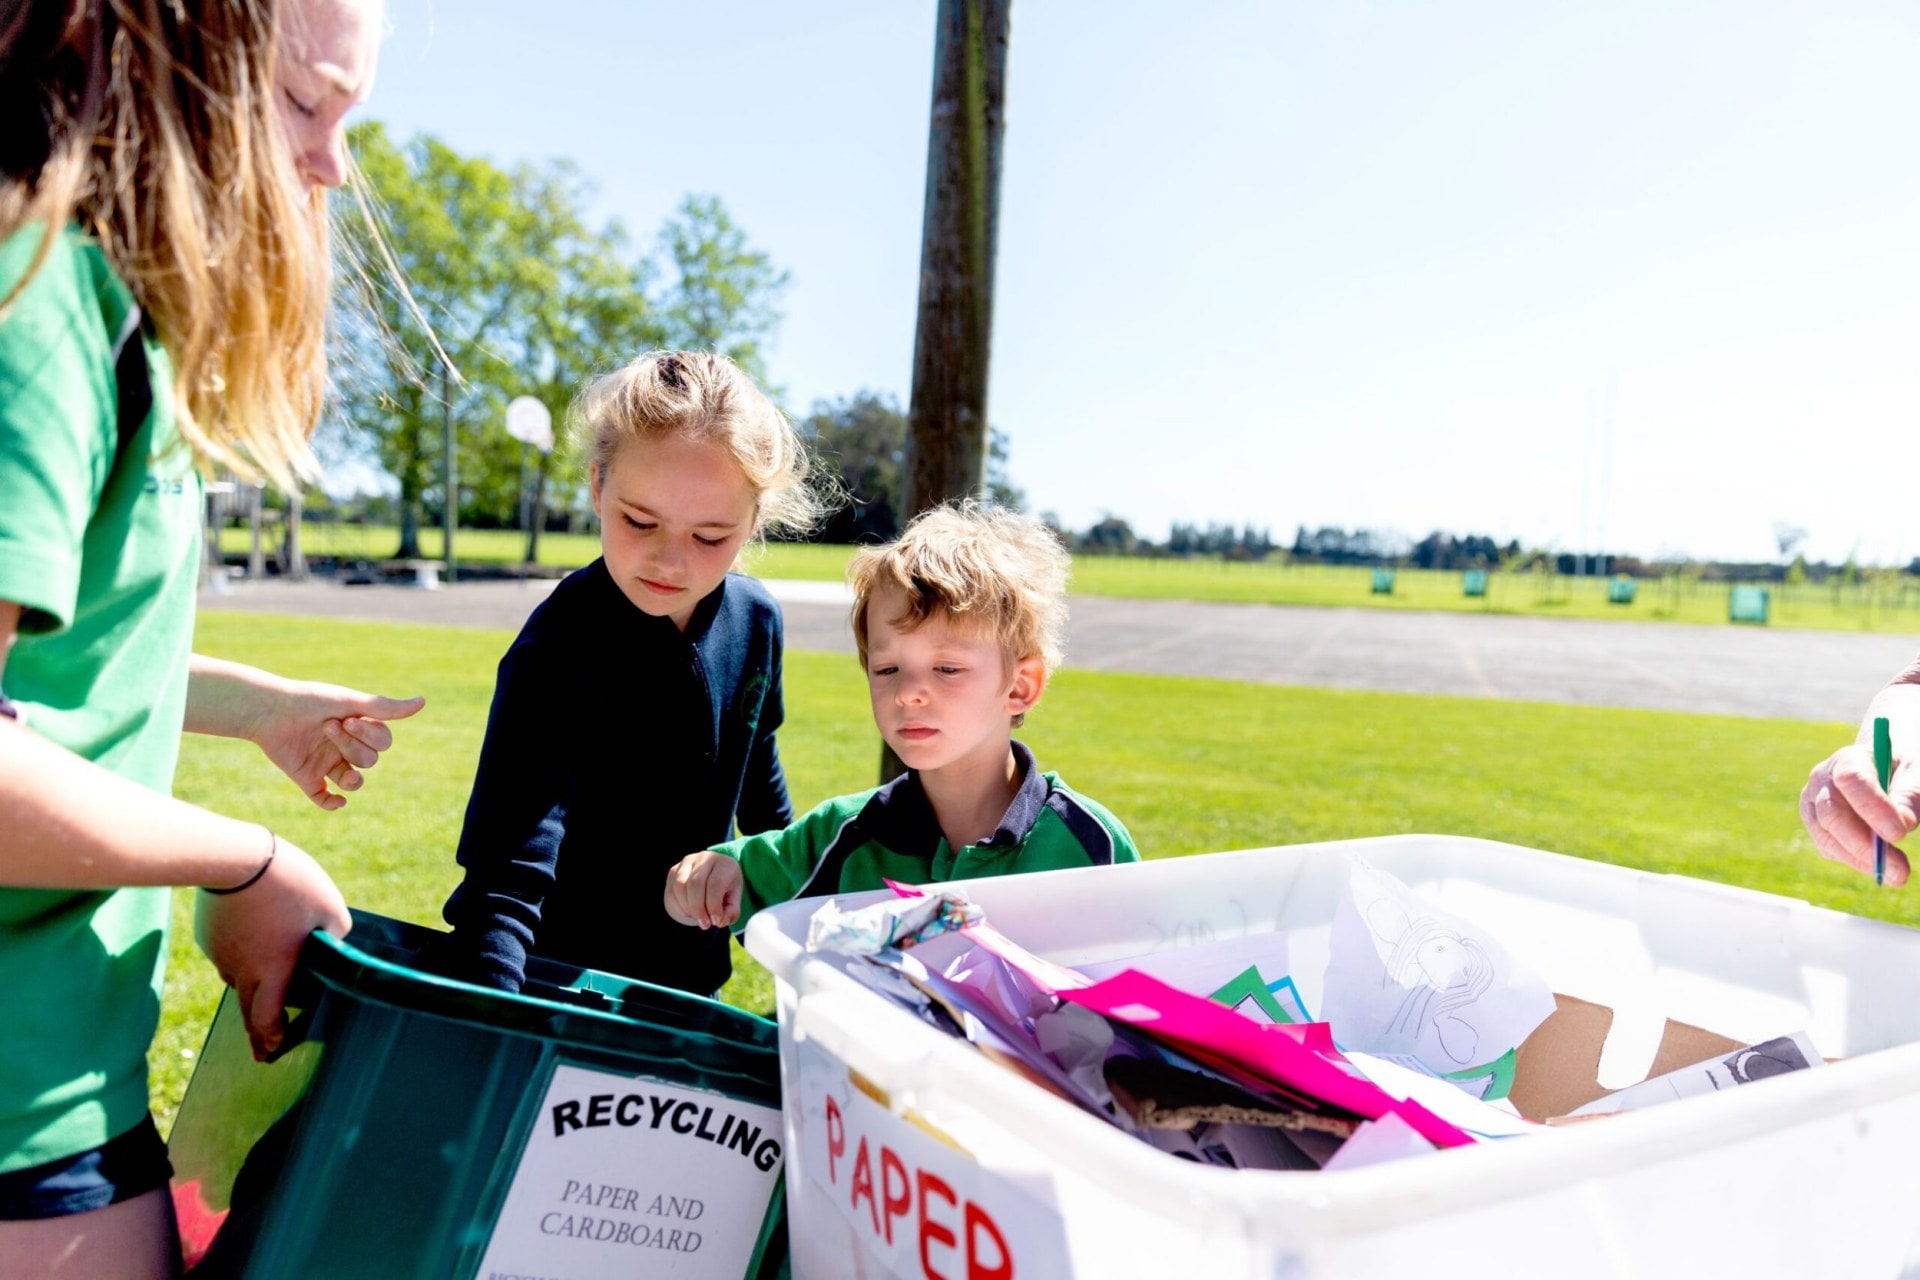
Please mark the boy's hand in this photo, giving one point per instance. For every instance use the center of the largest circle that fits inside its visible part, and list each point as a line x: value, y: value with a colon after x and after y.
x: 704, y: 889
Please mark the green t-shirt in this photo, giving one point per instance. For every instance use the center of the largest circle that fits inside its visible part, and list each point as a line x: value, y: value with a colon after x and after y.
x: 100, y: 548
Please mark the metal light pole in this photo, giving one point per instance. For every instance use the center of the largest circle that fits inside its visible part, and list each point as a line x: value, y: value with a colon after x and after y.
x: 529, y: 422
x: 452, y: 513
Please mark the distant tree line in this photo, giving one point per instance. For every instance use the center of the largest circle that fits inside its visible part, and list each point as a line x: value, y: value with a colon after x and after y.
x: 512, y: 289
x: 1440, y: 550
x: 1223, y: 540
x: 1113, y: 536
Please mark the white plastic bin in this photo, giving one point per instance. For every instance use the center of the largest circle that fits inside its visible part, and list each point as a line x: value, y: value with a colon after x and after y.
x: 910, y: 1154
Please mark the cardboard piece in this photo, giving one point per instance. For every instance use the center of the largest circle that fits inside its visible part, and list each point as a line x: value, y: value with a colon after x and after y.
x: 1557, y: 1068
x: 1683, y: 1046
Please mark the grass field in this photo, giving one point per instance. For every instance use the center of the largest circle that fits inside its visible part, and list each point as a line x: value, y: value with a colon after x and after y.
x: 1191, y: 765
x: 1887, y: 605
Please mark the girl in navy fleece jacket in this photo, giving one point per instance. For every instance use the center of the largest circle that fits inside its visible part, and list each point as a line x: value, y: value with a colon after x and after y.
x: 634, y: 717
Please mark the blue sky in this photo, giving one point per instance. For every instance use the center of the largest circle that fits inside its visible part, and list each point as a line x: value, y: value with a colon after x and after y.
x: 1283, y: 263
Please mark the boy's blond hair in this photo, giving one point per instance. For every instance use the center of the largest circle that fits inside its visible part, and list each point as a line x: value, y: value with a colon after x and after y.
x: 702, y: 396
x: 986, y: 568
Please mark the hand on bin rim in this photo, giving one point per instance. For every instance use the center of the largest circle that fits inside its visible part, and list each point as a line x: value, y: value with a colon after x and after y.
x: 704, y: 889
x: 254, y: 938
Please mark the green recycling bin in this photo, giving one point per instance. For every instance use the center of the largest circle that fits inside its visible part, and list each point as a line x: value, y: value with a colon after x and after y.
x: 1473, y: 582
x: 1383, y: 582
x: 1620, y: 590
x: 1748, y: 604
x: 414, y: 1126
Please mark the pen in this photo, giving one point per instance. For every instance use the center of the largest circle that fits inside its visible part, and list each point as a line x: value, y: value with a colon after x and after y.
x: 1882, y: 765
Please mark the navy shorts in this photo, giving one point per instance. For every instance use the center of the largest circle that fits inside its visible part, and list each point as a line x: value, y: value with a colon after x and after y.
x: 127, y: 1166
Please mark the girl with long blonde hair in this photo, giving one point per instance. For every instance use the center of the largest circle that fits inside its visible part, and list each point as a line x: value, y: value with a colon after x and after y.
x: 163, y: 306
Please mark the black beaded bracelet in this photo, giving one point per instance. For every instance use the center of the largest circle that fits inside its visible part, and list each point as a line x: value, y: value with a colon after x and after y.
x: 273, y: 849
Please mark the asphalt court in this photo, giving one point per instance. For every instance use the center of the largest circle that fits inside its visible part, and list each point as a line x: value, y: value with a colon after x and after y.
x: 1748, y: 671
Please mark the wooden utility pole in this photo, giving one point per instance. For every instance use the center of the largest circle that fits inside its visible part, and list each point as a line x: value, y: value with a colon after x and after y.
x: 947, y: 412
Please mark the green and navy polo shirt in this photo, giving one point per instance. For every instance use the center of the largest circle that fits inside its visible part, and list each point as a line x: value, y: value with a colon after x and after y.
x: 855, y: 843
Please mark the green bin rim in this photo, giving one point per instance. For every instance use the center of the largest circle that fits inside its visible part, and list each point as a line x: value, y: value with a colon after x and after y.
x: 354, y: 971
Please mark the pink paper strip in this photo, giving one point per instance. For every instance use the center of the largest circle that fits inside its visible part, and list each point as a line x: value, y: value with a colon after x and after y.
x: 1300, y: 1057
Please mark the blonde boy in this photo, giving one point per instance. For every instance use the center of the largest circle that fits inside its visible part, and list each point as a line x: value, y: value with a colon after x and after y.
x: 958, y: 624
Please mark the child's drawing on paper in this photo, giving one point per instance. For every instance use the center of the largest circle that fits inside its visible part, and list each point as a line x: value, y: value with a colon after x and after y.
x: 1408, y: 979
x: 1441, y: 973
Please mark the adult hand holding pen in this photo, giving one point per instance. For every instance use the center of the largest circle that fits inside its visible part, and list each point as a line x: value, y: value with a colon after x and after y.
x: 1843, y: 806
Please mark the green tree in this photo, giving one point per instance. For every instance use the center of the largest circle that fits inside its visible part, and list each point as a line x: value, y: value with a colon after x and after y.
x: 1112, y: 536
x: 1000, y: 486
x: 509, y: 290
x: 418, y: 357
x: 719, y: 294
x: 596, y: 319
x: 860, y: 442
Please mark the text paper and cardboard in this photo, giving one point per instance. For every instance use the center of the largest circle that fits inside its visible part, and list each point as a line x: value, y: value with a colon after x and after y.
x: 626, y: 1176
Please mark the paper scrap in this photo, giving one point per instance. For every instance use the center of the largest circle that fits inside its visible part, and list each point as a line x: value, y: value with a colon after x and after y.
x: 1251, y: 995
x: 1404, y: 977
x: 1376, y: 1142
x: 1441, y: 1097
x: 895, y: 922
x: 1775, y: 1057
